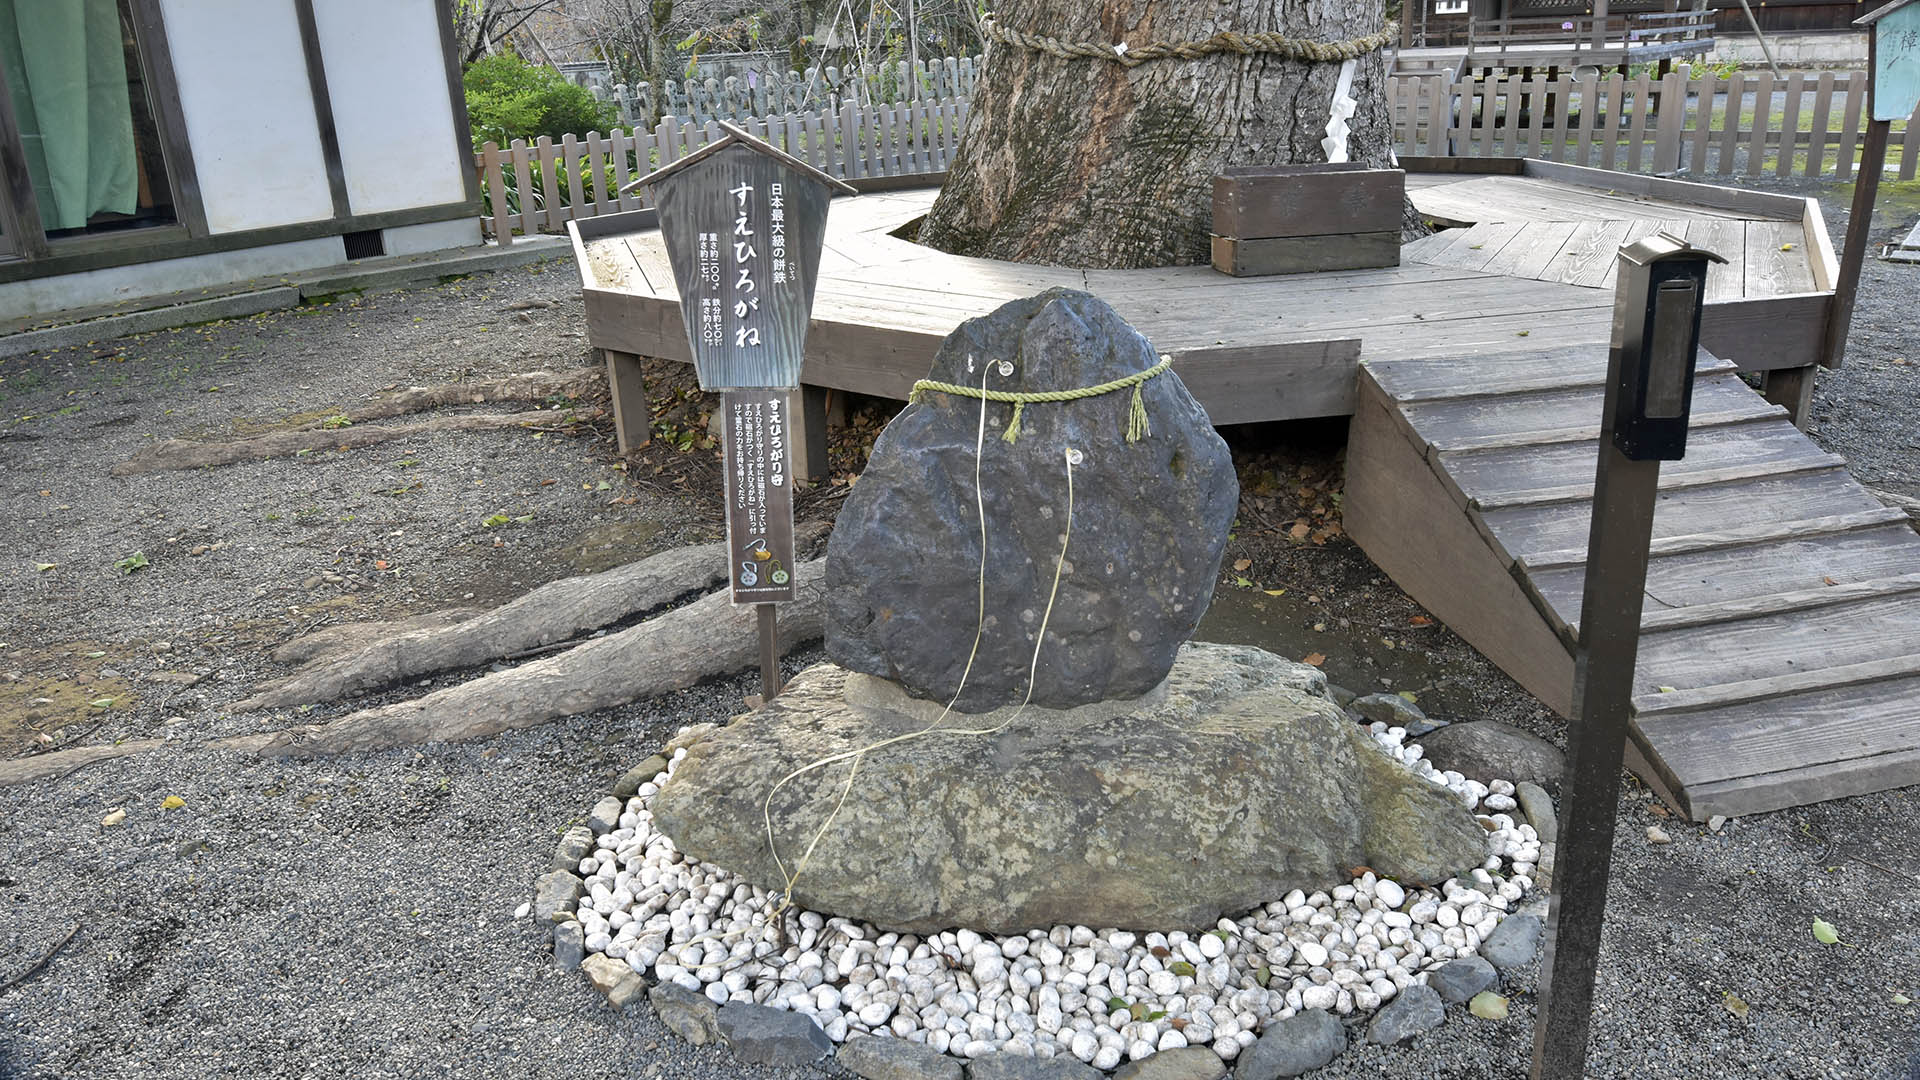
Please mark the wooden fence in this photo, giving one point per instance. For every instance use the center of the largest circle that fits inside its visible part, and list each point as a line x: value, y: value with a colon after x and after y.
x: 1745, y: 124
x: 539, y: 188
x: 825, y: 89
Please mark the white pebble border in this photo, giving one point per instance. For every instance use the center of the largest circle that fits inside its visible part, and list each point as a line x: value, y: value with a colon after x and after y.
x: 1102, y: 996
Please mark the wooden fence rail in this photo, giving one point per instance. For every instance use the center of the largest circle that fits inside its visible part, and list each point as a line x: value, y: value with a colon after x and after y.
x: 539, y: 188
x: 1745, y: 124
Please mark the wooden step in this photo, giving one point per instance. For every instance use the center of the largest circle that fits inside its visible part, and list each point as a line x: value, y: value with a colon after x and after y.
x: 1556, y: 534
x: 1528, y: 476
x: 1560, y: 367
x: 1561, y: 416
x: 1776, y: 749
x: 1778, y: 643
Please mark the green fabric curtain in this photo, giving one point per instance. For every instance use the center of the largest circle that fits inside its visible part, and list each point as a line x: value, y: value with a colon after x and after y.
x: 66, y: 67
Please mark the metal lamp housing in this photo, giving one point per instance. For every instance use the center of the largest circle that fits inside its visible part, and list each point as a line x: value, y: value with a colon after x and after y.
x: 1661, y: 286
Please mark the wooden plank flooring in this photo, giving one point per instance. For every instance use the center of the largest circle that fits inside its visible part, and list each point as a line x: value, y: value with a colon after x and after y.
x: 1780, y: 651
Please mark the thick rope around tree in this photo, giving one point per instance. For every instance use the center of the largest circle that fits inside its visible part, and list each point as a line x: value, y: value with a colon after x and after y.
x: 1138, y: 426
x: 1227, y: 41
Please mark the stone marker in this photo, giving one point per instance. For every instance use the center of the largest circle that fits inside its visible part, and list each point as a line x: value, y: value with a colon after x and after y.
x: 1301, y: 1043
x: 898, y: 1059
x: 1485, y: 749
x: 1459, y: 980
x: 765, y: 1036
x: 1236, y: 783
x: 1150, y: 520
x: 1418, y: 1009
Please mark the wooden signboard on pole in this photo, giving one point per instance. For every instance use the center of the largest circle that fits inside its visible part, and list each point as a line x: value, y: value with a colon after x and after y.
x: 744, y: 224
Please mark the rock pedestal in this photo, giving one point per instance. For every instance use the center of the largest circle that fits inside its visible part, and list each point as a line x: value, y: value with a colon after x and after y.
x: 1235, y: 782
x: 1149, y: 525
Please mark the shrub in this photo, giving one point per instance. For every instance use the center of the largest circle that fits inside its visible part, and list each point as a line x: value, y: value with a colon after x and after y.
x: 508, y: 98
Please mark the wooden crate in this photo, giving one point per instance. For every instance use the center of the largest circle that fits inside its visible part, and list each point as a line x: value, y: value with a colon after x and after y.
x: 1293, y: 219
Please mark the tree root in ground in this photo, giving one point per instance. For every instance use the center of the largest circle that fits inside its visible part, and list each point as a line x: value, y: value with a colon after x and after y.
x: 555, y: 612
x: 175, y: 454
x: 672, y: 651
x: 333, y: 641
x: 533, y: 386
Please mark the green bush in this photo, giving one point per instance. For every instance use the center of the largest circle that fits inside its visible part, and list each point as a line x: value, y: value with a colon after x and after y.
x: 508, y: 98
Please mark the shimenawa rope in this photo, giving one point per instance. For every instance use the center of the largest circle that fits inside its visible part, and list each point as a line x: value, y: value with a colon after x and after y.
x: 1138, y: 426
x: 1226, y: 41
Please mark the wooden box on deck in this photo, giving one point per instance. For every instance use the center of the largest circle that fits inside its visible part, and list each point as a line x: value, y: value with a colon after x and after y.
x: 1292, y: 219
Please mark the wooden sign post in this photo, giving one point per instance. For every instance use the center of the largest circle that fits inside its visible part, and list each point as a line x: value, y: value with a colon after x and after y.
x: 744, y: 224
x: 1893, y: 86
x: 1656, y: 334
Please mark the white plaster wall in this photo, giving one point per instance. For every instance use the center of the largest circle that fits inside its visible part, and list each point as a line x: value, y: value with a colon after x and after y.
x: 388, y: 84
x: 431, y: 236
x: 38, y: 295
x: 249, y: 112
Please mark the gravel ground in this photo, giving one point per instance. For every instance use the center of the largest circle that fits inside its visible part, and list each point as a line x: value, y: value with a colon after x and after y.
x: 352, y: 916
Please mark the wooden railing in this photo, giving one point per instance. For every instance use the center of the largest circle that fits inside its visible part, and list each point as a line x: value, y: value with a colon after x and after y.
x: 539, y: 188
x: 1711, y: 126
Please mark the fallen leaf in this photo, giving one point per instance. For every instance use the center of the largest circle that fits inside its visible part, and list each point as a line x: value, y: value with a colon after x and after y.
x: 1299, y: 532
x: 1665, y: 689
x: 380, y: 564
x: 1900, y: 999
x: 1314, y: 659
x: 43, y: 567
x: 1242, y: 564
x: 1410, y: 697
x: 1734, y: 1004
x: 114, y: 817
x: 172, y: 802
x: 1115, y: 1005
x: 1488, y: 1005
x: 1829, y: 581
x: 1786, y: 247
x: 102, y: 703
x: 1180, y: 967
x: 1521, y: 333
x: 1274, y: 592
x: 1243, y: 582
x: 1420, y: 620
x: 1824, y: 933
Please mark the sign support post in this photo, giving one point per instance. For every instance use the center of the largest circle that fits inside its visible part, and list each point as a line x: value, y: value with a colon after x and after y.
x: 1893, y: 88
x: 1656, y: 335
x: 744, y: 224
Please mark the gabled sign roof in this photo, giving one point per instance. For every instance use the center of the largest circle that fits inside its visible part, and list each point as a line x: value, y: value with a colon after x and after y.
x: 1875, y: 16
x: 739, y: 136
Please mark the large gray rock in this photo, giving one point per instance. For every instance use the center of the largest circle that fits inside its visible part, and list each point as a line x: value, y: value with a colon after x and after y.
x: 1001, y: 1066
x: 1150, y: 521
x: 1489, y: 750
x: 1184, y: 1063
x: 1538, y: 806
x: 1416, y: 1011
x: 1456, y: 981
x: 1301, y: 1043
x: 685, y: 1013
x: 1236, y: 782
x: 555, y: 895
x: 764, y: 1036
x: 897, y: 1059
x: 1513, y: 943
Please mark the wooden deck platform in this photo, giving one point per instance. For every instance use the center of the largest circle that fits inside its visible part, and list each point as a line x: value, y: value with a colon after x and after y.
x: 1781, y: 662
x: 1780, y: 656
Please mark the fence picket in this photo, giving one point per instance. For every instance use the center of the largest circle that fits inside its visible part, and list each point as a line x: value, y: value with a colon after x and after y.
x: 1610, y: 131
x: 1672, y: 103
x: 496, y: 192
x: 1762, y: 115
x: 1910, y: 146
x: 1730, y: 123
x: 1439, y: 115
x: 1850, y: 126
x: 1705, y: 90
x: 1790, y: 125
x: 527, y: 222
x: 1563, y: 95
x: 1817, y: 137
x: 1509, y: 116
x: 1537, y: 102
x: 1637, y: 126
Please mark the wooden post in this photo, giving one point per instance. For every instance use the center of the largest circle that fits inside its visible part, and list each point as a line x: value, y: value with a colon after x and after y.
x: 809, y: 434
x: 769, y: 651
x: 1866, y: 187
x: 632, y: 418
x: 1792, y: 387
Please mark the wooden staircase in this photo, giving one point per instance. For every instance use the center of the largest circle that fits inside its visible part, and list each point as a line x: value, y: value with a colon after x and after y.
x: 1780, y: 650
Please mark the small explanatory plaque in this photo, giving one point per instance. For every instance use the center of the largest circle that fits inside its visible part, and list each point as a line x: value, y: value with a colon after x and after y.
x: 743, y: 225
x: 759, y: 495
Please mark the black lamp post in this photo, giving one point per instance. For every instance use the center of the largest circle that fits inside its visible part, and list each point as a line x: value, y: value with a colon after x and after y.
x: 1656, y: 335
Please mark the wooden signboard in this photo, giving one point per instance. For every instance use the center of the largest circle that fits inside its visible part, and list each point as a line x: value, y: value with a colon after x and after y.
x: 743, y: 225
x: 759, y: 495
x: 1896, y: 59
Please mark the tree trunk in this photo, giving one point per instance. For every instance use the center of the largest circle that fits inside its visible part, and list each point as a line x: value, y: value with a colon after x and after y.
x: 1089, y: 163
